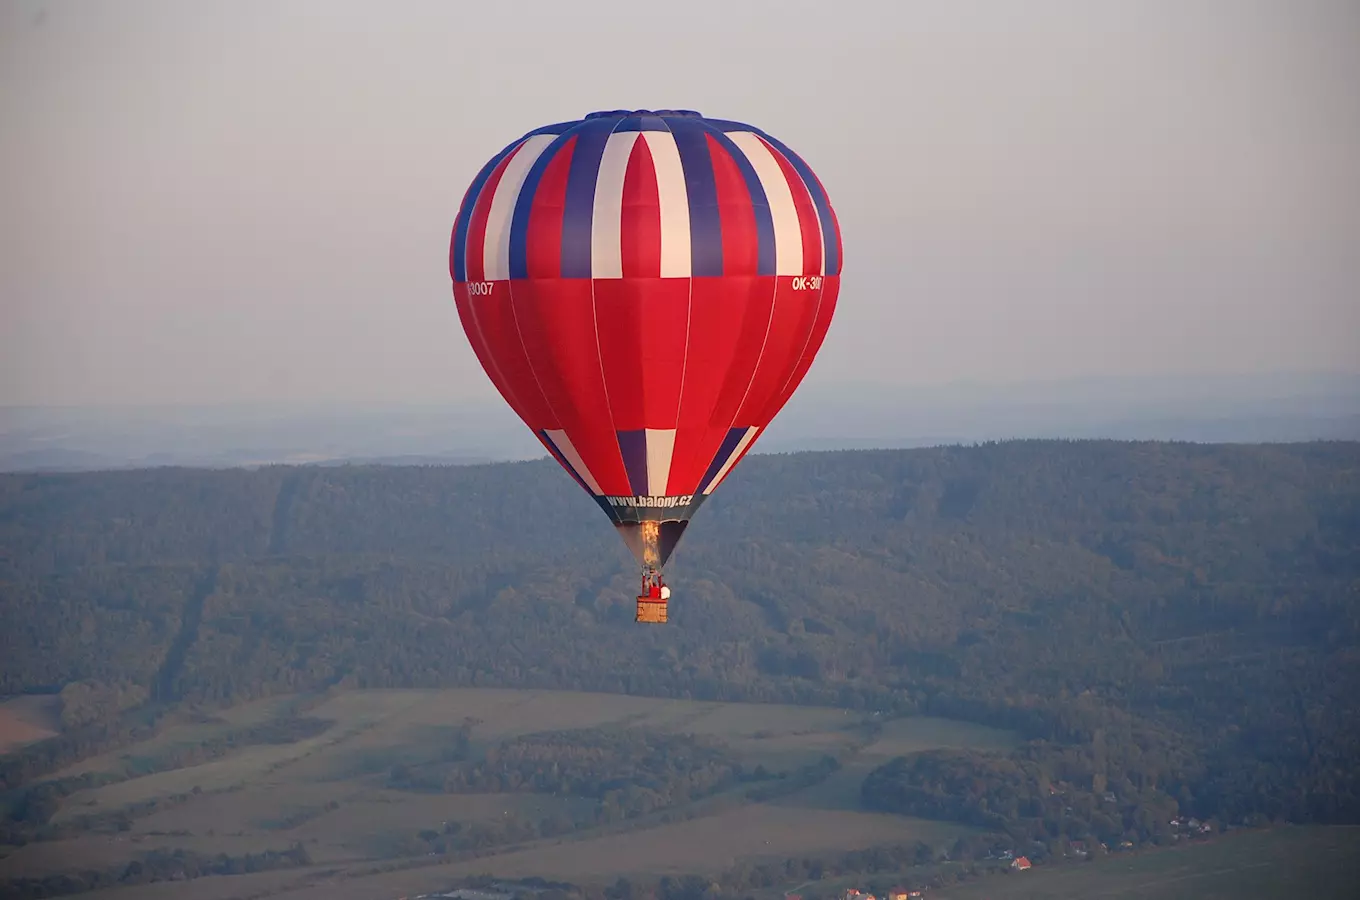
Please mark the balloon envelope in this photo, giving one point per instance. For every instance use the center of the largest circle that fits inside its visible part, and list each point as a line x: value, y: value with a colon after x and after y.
x: 646, y: 289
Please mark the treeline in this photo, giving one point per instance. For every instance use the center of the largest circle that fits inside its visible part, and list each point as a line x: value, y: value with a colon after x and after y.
x: 41, y: 758
x: 85, y: 703
x: 30, y: 809
x: 1016, y: 795
x: 629, y: 772
x: 1181, y: 618
x: 592, y: 762
x: 156, y: 866
x: 620, y: 802
x: 911, y: 866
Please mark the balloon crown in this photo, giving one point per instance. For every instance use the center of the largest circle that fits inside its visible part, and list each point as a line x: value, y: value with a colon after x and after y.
x: 665, y: 113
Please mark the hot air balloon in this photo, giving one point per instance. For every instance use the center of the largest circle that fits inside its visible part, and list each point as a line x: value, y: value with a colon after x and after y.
x: 646, y: 289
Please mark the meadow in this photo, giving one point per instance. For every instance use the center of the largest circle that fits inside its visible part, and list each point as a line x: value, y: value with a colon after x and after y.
x: 329, y: 792
x: 1320, y: 863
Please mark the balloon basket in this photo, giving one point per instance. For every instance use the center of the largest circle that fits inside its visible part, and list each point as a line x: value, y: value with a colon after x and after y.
x: 651, y: 611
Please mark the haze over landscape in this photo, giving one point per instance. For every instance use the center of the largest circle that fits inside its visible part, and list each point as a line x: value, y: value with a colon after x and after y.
x: 1044, y: 583
x: 251, y: 203
x: 821, y: 416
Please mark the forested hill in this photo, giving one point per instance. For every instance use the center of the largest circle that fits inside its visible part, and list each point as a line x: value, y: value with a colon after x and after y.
x: 1184, y: 618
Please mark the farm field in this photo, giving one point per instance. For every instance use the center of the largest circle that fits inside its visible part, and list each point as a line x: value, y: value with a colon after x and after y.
x: 706, y: 845
x: 24, y: 720
x: 329, y: 792
x: 1320, y: 863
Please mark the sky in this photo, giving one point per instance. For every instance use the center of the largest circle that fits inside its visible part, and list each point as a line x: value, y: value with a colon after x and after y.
x: 208, y: 202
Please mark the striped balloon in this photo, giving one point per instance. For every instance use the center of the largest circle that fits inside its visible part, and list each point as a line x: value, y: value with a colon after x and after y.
x: 646, y: 289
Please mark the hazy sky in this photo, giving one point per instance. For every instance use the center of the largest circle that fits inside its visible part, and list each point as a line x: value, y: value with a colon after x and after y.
x: 240, y: 201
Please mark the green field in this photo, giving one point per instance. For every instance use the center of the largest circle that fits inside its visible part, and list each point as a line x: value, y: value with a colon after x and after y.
x: 329, y: 792
x: 1316, y: 863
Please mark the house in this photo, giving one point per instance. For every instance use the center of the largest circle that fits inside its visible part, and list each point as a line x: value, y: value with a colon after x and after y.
x: 1021, y: 863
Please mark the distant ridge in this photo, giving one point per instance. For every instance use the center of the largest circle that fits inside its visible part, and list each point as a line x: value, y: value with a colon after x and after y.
x: 1268, y: 408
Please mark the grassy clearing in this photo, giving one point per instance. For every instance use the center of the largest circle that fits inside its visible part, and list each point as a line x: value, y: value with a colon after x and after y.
x: 26, y: 719
x: 903, y: 736
x: 184, y: 729
x: 247, y: 766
